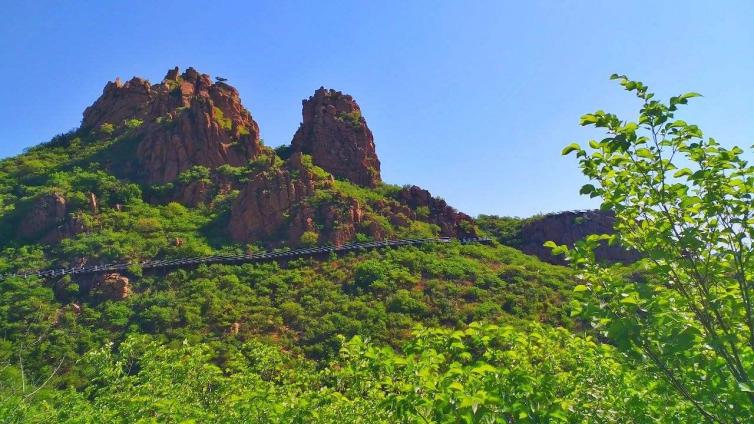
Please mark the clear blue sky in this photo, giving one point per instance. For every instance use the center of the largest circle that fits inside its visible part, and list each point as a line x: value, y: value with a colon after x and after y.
x: 472, y: 100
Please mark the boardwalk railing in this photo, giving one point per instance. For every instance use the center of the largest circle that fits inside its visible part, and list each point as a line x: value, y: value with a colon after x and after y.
x: 244, y: 258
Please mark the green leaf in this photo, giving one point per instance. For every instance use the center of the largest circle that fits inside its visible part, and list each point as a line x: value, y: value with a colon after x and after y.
x: 456, y: 386
x: 630, y: 300
x: 586, y: 189
x: 745, y: 387
x: 683, y: 172
x: 690, y: 95
x: 580, y: 288
x: 570, y: 148
x: 644, y: 153
x: 588, y: 119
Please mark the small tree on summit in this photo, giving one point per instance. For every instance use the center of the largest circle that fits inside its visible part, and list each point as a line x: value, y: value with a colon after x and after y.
x: 685, y: 203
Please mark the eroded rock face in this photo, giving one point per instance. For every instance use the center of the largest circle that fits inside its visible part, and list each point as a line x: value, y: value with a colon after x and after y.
x: 451, y: 222
x: 187, y: 120
x: 567, y: 228
x: 47, y: 212
x: 194, y: 194
x: 119, y: 102
x: 48, y: 220
x: 339, y: 221
x: 263, y: 204
x: 336, y: 135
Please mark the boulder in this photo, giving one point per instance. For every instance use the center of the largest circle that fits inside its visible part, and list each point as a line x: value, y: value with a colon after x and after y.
x: 112, y: 286
x: 49, y: 221
x: 46, y: 213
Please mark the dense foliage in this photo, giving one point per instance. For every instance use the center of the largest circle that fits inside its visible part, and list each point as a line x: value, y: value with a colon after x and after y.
x: 685, y: 203
x: 309, y: 340
x: 481, y: 373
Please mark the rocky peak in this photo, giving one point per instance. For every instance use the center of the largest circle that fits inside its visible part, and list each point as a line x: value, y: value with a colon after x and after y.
x: 186, y: 120
x: 118, y: 103
x: 336, y: 135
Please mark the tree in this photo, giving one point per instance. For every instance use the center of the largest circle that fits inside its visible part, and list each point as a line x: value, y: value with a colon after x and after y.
x: 685, y: 203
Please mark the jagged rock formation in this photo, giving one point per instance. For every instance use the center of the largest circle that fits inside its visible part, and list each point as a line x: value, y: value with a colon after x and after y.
x: 336, y: 135
x: 451, y: 222
x: 567, y: 228
x: 186, y: 120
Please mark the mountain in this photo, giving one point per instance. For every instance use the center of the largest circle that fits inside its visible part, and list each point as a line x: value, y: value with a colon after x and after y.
x: 177, y: 169
x: 189, y: 140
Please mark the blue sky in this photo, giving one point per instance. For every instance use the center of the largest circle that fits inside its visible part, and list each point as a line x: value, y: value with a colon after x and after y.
x: 472, y: 100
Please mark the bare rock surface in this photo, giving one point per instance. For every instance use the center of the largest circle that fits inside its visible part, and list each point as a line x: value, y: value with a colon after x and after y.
x: 48, y: 220
x: 263, y: 204
x: 112, y: 286
x: 336, y: 135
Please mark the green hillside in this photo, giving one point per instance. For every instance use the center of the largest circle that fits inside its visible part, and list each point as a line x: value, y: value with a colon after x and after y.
x: 438, y: 333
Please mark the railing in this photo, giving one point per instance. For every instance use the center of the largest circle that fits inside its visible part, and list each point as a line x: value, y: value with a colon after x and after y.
x: 244, y: 258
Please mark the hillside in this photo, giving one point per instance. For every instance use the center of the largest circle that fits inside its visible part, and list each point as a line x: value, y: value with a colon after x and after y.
x: 177, y: 169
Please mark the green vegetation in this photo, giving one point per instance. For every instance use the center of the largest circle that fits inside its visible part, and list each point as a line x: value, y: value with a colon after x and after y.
x: 199, y: 173
x: 685, y: 203
x: 309, y: 238
x: 437, y: 333
x: 353, y: 118
x: 219, y: 117
x: 480, y: 373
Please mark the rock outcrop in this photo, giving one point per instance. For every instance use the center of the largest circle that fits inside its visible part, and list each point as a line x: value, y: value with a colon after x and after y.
x: 336, y: 222
x: 567, y: 228
x: 278, y: 204
x: 46, y: 212
x: 194, y: 193
x: 451, y: 222
x: 186, y: 120
x: 336, y: 135
x: 112, y: 286
x: 48, y: 220
x: 261, y: 208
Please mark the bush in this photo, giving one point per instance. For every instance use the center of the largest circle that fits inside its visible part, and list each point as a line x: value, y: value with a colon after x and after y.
x: 309, y: 238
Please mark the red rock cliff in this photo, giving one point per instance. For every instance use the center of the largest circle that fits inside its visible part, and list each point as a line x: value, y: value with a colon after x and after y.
x: 261, y: 207
x: 187, y: 120
x: 336, y: 135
